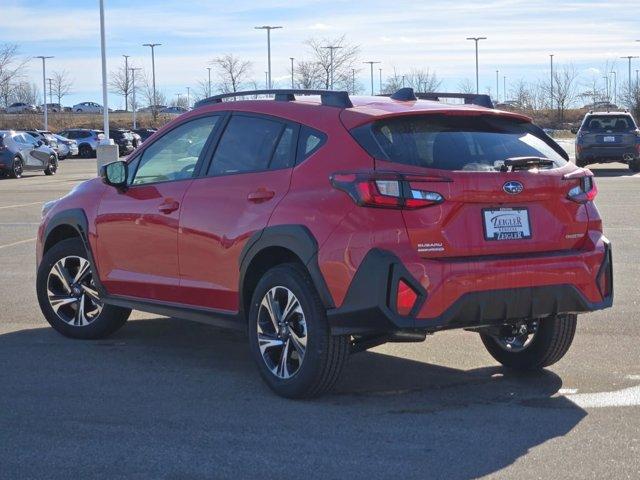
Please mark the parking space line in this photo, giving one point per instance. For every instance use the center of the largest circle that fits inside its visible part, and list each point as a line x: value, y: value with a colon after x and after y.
x: 21, y: 205
x: 17, y: 243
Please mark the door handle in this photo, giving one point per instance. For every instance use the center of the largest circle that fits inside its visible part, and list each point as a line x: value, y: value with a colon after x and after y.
x: 168, y: 206
x: 260, y: 195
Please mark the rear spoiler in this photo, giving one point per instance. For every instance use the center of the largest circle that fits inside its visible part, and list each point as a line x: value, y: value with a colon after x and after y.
x: 408, y: 94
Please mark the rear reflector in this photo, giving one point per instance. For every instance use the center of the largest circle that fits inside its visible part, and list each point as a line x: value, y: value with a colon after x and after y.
x: 405, y: 299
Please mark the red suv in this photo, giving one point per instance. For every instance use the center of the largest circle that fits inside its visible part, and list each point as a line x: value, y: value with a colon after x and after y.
x: 325, y: 227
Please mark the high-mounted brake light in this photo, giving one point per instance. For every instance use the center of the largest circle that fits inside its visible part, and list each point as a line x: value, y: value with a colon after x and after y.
x: 388, y: 190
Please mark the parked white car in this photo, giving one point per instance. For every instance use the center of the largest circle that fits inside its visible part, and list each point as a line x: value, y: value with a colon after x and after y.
x: 66, y: 147
x: 87, y: 107
x: 21, y: 107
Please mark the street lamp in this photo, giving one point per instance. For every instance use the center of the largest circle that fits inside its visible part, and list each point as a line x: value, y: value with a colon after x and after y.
x: 188, y: 97
x: 292, y: 84
x: 380, y: 70
x: 331, y: 48
x: 504, y: 88
x: 606, y: 80
x: 50, y: 91
x: 629, y: 57
x: 476, y: 40
x: 268, y: 28
x: 615, y: 86
x: 497, y: 86
x: 126, y: 82
x: 133, y: 92
x: 551, y: 84
x: 44, y: 89
x: 153, y: 72
x: 371, y: 64
x: 209, y: 87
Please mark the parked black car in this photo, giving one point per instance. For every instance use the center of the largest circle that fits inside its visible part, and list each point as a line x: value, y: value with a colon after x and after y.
x: 145, y: 132
x: 123, y: 138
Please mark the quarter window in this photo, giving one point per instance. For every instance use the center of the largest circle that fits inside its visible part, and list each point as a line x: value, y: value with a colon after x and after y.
x: 174, y: 155
x: 247, y: 145
x: 309, y: 142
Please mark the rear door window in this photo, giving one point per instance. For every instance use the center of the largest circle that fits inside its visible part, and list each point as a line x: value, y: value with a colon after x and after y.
x: 247, y: 145
x: 479, y: 143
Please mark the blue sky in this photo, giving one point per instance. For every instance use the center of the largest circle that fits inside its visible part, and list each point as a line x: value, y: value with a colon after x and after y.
x: 400, y: 34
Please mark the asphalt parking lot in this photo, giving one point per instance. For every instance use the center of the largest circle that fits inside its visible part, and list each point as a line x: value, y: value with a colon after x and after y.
x: 166, y: 398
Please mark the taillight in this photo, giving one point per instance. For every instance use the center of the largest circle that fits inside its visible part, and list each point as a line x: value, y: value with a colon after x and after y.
x: 388, y: 190
x: 405, y: 298
x: 584, y: 192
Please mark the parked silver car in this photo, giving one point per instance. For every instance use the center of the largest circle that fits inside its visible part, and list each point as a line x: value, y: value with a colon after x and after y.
x: 87, y: 140
x: 20, y: 152
x: 21, y: 107
x: 87, y: 107
x: 66, y: 147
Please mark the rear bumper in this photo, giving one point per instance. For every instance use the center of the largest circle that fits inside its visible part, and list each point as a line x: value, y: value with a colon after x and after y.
x: 607, y: 154
x: 369, y: 306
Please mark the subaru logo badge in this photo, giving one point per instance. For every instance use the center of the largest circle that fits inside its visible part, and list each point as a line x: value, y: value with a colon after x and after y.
x: 513, y: 188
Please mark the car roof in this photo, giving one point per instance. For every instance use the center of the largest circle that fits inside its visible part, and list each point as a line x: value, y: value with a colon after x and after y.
x: 604, y: 114
x: 365, y: 109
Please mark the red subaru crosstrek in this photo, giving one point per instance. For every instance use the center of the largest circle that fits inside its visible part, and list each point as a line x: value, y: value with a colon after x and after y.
x: 325, y: 226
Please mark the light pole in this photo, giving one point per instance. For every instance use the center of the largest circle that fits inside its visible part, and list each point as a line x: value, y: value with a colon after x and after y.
x: 551, y: 84
x: 331, y: 48
x: 403, y: 80
x: 126, y: 82
x: 353, y: 80
x: 268, y: 28
x: 380, y: 81
x: 615, y: 86
x: 133, y: 92
x: 266, y: 80
x: 50, y: 90
x: 44, y: 89
x: 606, y: 79
x: 504, y: 88
x: 209, y: 85
x: 629, y: 57
x: 476, y: 40
x: 188, y: 97
x: 497, y: 86
x: 153, y: 73
x: 292, y: 84
x: 371, y: 64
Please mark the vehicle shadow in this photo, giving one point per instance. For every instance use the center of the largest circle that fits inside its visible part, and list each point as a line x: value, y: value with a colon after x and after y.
x: 620, y: 170
x: 172, y: 399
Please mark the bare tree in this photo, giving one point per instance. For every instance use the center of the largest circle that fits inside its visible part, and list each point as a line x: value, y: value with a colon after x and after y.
x: 147, y: 93
x: 232, y: 72
x: 180, y: 101
x: 520, y: 92
x: 61, y: 85
x: 25, y: 92
x: 466, y: 86
x: 423, y: 80
x: 11, y: 70
x: 121, y: 83
x: 565, y: 88
x: 393, y: 83
x: 317, y: 72
x: 308, y: 75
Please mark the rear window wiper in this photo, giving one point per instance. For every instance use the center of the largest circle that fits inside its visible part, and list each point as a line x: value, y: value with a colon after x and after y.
x: 525, y: 163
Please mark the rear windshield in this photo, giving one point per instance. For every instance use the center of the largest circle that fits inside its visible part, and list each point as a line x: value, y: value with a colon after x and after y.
x: 603, y: 123
x: 455, y: 143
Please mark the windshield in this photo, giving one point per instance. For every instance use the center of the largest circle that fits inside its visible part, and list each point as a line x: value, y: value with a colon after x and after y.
x: 473, y: 143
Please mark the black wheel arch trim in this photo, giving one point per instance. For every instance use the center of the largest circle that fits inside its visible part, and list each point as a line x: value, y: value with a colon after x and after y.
x: 76, y: 218
x: 295, y: 238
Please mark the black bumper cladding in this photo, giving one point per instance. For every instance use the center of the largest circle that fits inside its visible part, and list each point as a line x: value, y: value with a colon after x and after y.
x: 368, y: 306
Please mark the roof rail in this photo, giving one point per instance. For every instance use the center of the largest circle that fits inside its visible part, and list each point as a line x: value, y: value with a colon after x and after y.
x: 329, y: 98
x: 407, y: 94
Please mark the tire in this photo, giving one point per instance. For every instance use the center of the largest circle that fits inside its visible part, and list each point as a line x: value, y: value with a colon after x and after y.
x: 85, y: 151
x: 52, y: 166
x: 634, y: 166
x: 93, y: 320
x: 79, y: 110
x: 581, y: 163
x: 548, y: 345
x: 324, y: 355
x: 17, y: 168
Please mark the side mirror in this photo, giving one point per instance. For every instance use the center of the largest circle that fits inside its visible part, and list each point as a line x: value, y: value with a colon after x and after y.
x: 115, y: 174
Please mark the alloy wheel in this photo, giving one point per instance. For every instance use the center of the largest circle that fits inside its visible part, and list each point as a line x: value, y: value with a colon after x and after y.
x: 282, y: 332
x: 71, y: 291
x: 18, y: 168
